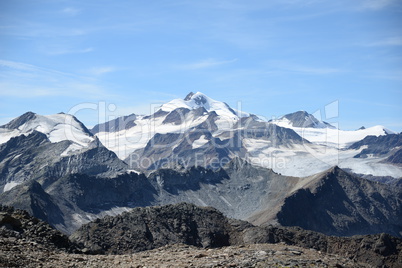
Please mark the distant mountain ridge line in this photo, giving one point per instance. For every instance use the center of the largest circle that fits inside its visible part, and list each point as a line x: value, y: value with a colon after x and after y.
x: 182, y: 130
x: 240, y: 190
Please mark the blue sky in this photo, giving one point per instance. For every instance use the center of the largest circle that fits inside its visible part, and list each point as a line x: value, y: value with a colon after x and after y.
x: 273, y: 57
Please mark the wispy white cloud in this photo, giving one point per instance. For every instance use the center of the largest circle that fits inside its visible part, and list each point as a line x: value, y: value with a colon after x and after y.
x: 25, y: 67
x: 17, y: 65
x: 312, y: 70
x: 390, y: 75
x: 140, y: 109
x: 73, y: 89
x: 31, y: 29
x: 278, y: 67
x: 61, y: 51
x: 29, y: 81
x: 71, y: 11
x: 24, y: 91
x: 377, y: 4
x: 101, y: 70
x: 372, y: 103
x: 204, y: 64
x: 391, y: 41
x: 46, y: 32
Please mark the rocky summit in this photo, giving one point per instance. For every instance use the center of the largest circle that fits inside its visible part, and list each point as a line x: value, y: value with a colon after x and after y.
x: 205, y: 227
x: 152, y: 227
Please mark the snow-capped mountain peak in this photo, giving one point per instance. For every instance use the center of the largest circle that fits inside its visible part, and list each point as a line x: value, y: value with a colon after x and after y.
x: 57, y: 127
x: 196, y: 100
x: 182, y: 129
x: 301, y: 119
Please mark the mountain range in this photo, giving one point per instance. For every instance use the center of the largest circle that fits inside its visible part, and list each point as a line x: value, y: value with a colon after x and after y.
x: 292, y: 171
x: 198, y: 129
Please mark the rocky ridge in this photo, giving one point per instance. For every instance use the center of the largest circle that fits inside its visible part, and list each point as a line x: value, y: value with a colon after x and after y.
x: 389, y: 145
x: 33, y: 157
x: 23, y: 236
x: 338, y: 203
x: 152, y: 227
x: 333, y: 202
x: 189, y: 236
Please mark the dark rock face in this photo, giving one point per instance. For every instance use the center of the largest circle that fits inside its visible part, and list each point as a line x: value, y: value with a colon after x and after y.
x: 15, y: 145
x: 277, y: 135
x: 301, y: 119
x: 394, y: 182
x: 98, y: 161
x: 170, y: 150
x: 31, y: 197
x: 395, y: 158
x: 189, y: 95
x: 381, y: 146
x: 200, y: 111
x: 238, y: 190
x: 151, y: 227
x: 92, y: 194
x: 32, y: 157
x: 19, y: 121
x: 341, y: 204
x: 175, y: 182
x: 21, y: 157
x: 200, y: 100
x: 305, y: 120
x: 176, y: 116
x: 118, y: 124
x: 19, y: 225
x: 209, y: 124
x: 158, y: 113
x: 66, y: 202
x: 381, y: 250
x: 251, y: 128
x: 161, y: 142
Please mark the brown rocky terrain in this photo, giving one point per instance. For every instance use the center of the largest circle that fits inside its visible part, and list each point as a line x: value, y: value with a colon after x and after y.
x: 25, y: 254
x: 153, y: 227
x: 184, y: 235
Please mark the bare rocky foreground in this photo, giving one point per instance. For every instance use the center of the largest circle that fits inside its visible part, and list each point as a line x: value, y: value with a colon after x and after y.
x: 26, y: 254
x: 157, y: 239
